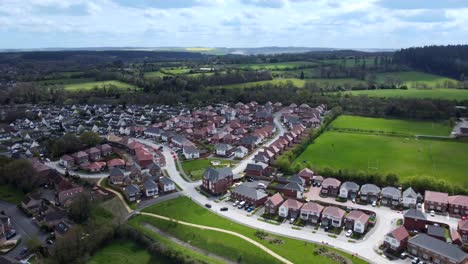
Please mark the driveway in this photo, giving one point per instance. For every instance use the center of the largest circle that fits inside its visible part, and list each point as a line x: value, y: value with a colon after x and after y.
x: 23, y: 225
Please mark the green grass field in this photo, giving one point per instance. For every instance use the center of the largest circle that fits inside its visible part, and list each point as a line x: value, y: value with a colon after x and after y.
x: 155, y: 74
x: 293, y: 250
x: 195, y: 168
x: 412, y: 127
x: 176, y: 70
x: 10, y: 194
x: 274, y: 66
x: 414, y: 79
x: 296, y: 82
x: 99, y: 84
x: 125, y: 252
x: 348, y: 62
x: 445, y: 94
x: 405, y: 157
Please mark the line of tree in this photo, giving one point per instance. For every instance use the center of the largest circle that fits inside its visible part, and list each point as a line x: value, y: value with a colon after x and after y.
x: 451, y: 61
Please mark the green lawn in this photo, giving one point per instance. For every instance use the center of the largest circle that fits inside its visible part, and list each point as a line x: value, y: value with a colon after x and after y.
x: 392, y: 125
x: 403, y: 156
x: 176, y: 70
x: 124, y: 252
x: 10, y: 194
x: 414, y: 79
x: 195, y: 168
x: 66, y: 81
x: 98, y: 84
x: 184, y: 209
x: 351, y: 62
x: 446, y: 94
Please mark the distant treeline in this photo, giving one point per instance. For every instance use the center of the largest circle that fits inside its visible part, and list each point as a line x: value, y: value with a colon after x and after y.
x: 451, y: 61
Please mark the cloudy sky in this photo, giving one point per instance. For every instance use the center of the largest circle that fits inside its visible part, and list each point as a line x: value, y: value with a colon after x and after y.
x: 232, y: 23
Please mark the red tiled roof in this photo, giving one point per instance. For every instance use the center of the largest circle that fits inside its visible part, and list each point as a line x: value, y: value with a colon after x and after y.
x: 463, y: 225
x: 438, y: 197
x: 276, y: 199
x: 400, y: 233
x: 460, y: 200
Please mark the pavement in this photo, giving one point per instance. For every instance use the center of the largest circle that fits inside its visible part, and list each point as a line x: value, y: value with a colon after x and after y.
x: 23, y: 225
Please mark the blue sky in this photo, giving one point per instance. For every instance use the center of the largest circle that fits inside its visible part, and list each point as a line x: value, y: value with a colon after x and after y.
x: 232, y: 23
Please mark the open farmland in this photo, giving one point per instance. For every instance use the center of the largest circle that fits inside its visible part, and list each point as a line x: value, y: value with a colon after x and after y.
x: 410, y: 127
x: 99, y: 84
x: 294, y: 250
x: 295, y: 82
x: 275, y: 66
x: 403, y: 156
x: 445, y: 94
x: 414, y: 79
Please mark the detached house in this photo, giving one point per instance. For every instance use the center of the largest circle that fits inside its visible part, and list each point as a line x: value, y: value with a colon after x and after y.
x: 290, y: 208
x: 217, y: 181
x: 311, y: 212
x: 67, y: 161
x: 307, y: 175
x: 150, y: 188
x: 81, y: 157
x: 397, y: 240
x: 222, y: 149
x: 116, y: 176
x: 414, y: 219
x: 132, y: 192
x: 166, y: 184
x: 436, y: 201
x: 273, y: 203
x: 411, y: 198
x: 330, y: 187
x: 349, y: 190
x: 357, y: 221
x: 391, y: 196
x: 240, y: 152
x: 333, y: 216
x: 191, y: 152
x: 369, y: 193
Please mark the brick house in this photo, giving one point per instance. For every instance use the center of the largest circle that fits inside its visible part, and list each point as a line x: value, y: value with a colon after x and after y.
x: 433, y: 250
x: 250, y: 193
x: 116, y: 176
x: 463, y: 230
x: 132, y: 192
x: 414, y: 219
x: 94, y: 153
x: 436, y: 201
x: 458, y: 205
x: 397, y: 240
x: 369, y: 193
x: 273, y: 203
x: 390, y: 196
x: 166, y: 184
x: 217, y: 181
x: 81, y: 157
x: 307, y: 175
x: 330, y: 187
x: 67, y: 161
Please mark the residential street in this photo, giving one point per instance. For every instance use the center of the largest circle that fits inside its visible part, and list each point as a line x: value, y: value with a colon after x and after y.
x: 23, y: 225
x: 366, y: 248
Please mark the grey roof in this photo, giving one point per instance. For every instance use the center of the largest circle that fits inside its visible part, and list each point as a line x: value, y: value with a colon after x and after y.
x: 410, y: 193
x: 391, y: 192
x: 214, y: 175
x: 149, y: 184
x: 165, y: 180
x: 259, y: 166
x: 414, y: 213
x: 297, y: 179
x: 294, y: 186
x: 350, y: 186
x: 223, y: 146
x: 132, y: 188
x: 190, y: 149
x: 153, y: 130
x: 116, y: 172
x: 442, y: 248
x: 370, y: 189
x: 436, y: 231
x: 250, y: 192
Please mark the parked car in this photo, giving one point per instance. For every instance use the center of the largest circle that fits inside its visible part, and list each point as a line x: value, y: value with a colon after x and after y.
x: 241, y: 204
x: 291, y: 221
x: 403, y: 255
x: 432, y: 213
x: 415, y: 260
x: 208, y: 205
x: 374, y: 203
x: 11, y: 234
x: 236, y: 203
x: 223, y: 209
x: 353, y: 200
x: 349, y: 233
